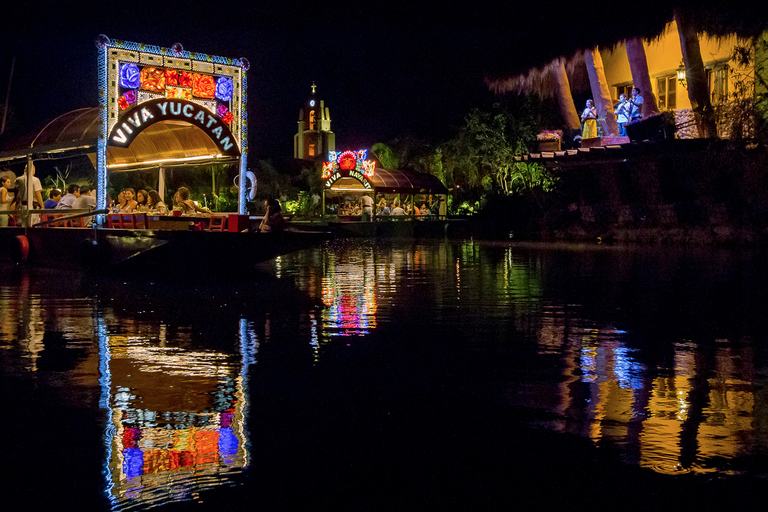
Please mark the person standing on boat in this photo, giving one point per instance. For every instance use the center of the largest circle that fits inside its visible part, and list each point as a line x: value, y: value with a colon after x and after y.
x: 589, y: 118
x: 622, y: 114
x: 31, y: 196
x: 6, y: 200
x: 367, y: 207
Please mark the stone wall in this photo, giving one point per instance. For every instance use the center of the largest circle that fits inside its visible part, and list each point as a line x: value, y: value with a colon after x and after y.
x: 671, y: 192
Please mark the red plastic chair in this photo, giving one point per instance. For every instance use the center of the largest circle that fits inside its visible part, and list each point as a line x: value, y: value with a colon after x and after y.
x: 114, y: 221
x: 127, y: 221
x: 140, y: 220
x: 217, y: 223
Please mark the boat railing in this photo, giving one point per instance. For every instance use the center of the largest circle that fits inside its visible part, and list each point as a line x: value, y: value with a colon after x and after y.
x: 73, y: 218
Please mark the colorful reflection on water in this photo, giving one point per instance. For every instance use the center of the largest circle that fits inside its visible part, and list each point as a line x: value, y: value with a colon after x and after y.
x: 660, y: 355
x: 176, y: 415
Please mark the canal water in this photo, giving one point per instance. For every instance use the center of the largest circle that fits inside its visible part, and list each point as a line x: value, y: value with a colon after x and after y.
x: 382, y: 375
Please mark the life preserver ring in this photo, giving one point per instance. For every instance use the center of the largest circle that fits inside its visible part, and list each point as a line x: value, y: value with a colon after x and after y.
x: 251, y: 190
x: 20, y: 251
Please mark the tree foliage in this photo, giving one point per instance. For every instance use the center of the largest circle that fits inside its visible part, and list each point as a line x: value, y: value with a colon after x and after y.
x: 744, y: 114
x: 482, y: 155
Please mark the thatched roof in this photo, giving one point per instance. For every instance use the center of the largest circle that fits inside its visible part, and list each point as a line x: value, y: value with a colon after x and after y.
x: 538, y: 81
x: 519, y: 63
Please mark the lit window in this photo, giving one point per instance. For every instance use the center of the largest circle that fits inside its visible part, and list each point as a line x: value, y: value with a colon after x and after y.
x: 666, y: 92
x: 626, y: 90
x: 311, y: 119
x: 311, y: 150
x: 719, y: 84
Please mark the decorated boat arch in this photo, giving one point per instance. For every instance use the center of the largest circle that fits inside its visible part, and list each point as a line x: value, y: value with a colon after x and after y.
x: 161, y: 107
x: 348, y: 175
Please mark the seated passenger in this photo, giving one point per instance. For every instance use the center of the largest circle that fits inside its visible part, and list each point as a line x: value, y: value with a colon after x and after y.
x: 188, y: 205
x: 73, y: 192
x: 155, y: 203
x: 130, y: 201
x: 397, y: 211
x: 273, y: 217
x: 54, y: 196
x: 142, y: 199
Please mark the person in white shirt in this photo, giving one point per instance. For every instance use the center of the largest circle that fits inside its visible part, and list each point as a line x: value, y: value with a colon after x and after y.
x: 30, y: 197
x: 66, y: 202
x: 367, y: 208
x: 622, y: 114
x: 85, y: 201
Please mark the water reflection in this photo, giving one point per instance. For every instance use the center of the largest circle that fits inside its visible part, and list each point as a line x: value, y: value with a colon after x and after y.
x: 176, y: 414
x: 692, y: 411
x: 656, y: 355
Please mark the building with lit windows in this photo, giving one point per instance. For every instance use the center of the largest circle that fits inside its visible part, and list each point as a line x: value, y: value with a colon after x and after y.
x: 314, y: 137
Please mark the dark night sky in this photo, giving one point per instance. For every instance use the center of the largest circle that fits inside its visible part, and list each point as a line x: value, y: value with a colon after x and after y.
x: 383, y: 70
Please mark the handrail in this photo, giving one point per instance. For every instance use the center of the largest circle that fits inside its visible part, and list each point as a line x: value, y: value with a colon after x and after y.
x: 89, y: 213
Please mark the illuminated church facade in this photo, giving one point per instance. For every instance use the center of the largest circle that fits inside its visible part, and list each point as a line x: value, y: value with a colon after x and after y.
x: 314, y: 137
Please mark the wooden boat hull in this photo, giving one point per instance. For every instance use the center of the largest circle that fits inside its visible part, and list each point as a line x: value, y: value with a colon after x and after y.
x: 148, y: 251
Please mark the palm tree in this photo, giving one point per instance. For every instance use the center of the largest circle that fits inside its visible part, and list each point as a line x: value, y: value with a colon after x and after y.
x: 600, y: 93
x: 638, y: 65
x: 695, y: 75
x: 548, y: 81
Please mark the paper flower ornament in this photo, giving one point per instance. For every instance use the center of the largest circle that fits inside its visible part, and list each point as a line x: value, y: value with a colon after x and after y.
x: 126, y: 100
x: 203, y: 86
x: 224, y: 88
x: 130, y: 76
x: 152, y: 79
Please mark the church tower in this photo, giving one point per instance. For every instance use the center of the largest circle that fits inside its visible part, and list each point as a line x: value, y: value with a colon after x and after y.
x: 314, y: 137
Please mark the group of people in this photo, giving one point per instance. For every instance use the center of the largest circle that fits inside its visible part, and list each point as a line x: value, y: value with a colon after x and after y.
x: 627, y: 111
x: 396, y: 209
x: 131, y: 201
x: 13, y: 195
x: 366, y: 206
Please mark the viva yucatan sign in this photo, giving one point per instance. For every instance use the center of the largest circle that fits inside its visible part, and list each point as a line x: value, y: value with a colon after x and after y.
x: 135, y: 120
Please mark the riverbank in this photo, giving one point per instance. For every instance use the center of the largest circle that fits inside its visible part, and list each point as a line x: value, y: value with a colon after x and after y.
x: 698, y: 192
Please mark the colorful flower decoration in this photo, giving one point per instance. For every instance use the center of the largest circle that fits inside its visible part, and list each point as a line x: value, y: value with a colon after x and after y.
x: 203, y: 86
x: 228, y: 117
x: 222, y: 110
x: 172, y: 91
x: 347, y: 161
x: 369, y: 168
x: 185, y: 79
x: 177, y: 49
x: 130, y: 77
x: 328, y: 169
x: 224, y: 88
x: 152, y: 79
x: 126, y: 100
x: 550, y: 135
x: 171, y: 77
